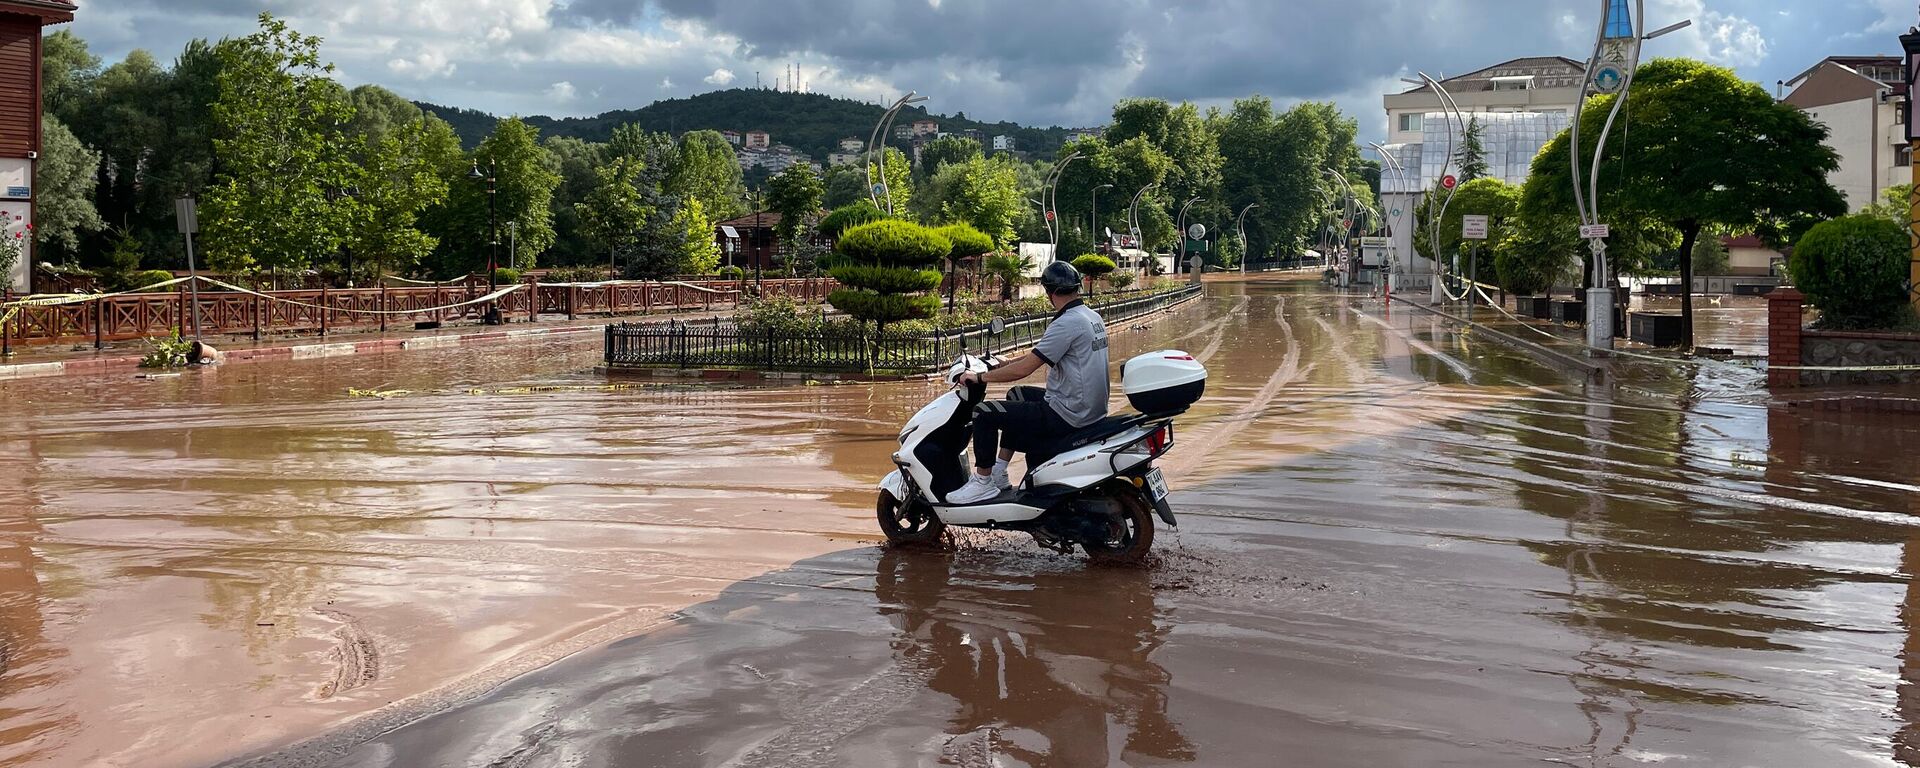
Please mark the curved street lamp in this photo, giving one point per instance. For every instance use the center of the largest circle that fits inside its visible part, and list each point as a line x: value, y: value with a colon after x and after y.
x: 1435, y: 213
x: 1180, y: 234
x: 492, y: 178
x: 1052, y: 196
x: 1240, y: 225
x: 880, y: 129
x: 1133, y: 210
x: 1095, y: 229
x: 1399, y: 172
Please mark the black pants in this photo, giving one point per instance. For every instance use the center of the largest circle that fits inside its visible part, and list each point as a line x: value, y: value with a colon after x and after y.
x: 1022, y: 422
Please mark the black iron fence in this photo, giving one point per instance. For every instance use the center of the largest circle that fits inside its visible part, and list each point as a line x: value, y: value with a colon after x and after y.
x: 726, y: 344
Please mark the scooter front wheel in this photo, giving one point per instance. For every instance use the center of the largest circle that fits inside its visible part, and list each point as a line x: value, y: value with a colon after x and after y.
x: 909, y: 524
x: 1129, y: 532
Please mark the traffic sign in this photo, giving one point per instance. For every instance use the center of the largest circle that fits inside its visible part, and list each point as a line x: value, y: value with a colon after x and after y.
x: 1595, y: 232
x: 186, y: 215
x: 1449, y: 182
x: 1473, y: 227
x: 1608, y: 79
x: 1049, y: 215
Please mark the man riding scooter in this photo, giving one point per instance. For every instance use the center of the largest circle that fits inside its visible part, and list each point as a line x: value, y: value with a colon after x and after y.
x: 1074, y: 350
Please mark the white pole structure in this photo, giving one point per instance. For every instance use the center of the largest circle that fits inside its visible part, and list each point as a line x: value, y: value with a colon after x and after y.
x: 879, y: 187
x: 1346, y: 227
x: 1052, y: 196
x: 1435, y: 213
x: 1240, y: 226
x: 1181, y: 235
x: 1393, y: 223
x: 1094, y: 229
x: 1616, y: 55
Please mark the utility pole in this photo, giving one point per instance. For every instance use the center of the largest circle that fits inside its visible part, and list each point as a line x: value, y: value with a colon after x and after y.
x: 1910, y: 42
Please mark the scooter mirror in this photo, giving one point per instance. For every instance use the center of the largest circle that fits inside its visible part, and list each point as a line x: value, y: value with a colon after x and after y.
x: 998, y: 326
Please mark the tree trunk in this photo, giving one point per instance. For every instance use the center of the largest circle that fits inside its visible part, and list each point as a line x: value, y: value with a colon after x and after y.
x: 1689, y: 233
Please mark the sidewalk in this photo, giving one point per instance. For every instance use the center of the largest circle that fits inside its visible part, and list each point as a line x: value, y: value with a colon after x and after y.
x: 39, y: 362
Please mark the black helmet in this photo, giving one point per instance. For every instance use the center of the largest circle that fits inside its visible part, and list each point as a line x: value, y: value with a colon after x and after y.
x: 1060, y: 277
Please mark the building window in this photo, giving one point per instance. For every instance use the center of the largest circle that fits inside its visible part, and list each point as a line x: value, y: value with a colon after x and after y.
x: 1902, y: 155
x: 1411, y: 123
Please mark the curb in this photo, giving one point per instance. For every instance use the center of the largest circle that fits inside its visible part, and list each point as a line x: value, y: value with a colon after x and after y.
x: 315, y: 351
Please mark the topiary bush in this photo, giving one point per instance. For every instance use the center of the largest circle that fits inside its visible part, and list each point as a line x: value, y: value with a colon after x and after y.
x: 1094, y: 265
x: 731, y: 272
x: 150, y: 277
x: 883, y: 264
x: 1120, y: 280
x: 847, y: 217
x: 967, y: 242
x: 1854, y: 269
x: 506, y: 275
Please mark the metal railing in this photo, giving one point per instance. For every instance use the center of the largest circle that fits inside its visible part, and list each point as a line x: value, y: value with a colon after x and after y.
x: 726, y: 344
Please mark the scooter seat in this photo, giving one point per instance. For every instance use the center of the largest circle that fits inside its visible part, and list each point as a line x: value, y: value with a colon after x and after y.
x: 1087, y: 435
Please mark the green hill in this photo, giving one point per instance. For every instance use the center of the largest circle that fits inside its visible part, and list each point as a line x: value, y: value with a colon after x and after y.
x: 809, y: 122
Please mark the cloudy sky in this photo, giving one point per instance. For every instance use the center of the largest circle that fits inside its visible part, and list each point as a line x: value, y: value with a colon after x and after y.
x: 1041, y: 62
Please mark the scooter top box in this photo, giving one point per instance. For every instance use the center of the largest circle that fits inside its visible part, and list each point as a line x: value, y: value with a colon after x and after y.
x: 1165, y: 382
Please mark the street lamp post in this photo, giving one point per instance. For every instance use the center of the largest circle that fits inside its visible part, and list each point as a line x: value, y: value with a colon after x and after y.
x: 492, y: 178
x: 1181, y: 234
x: 1133, y: 216
x: 1095, y: 230
x: 1052, y: 196
x: 1393, y: 220
x: 880, y: 129
x: 1435, y: 213
x: 1346, y: 222
x: 1240, y: 226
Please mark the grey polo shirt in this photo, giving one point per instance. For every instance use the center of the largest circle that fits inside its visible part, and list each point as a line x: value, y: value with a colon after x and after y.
x: 1075, y: 351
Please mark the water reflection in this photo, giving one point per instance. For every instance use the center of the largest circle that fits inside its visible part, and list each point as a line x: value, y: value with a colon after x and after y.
x: 1047, y: 668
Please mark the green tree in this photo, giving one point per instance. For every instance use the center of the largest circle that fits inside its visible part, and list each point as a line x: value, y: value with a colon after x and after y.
x: 965, y: 241
x: 987, y: 197
x: 1707, y: 149
x: 947, y: 150
x: 578, y: 163
x: 378, y: 112
x: 1011, y: 268
x: 1094, y: 266
x: 64, y: 180
x: 885, y: 266
x: 1493, y: 198
x: 1179, y: 133
x: 706, y: 169
x: 524, y: 177
x: 699, y: 252
x: 899, y: 176
x: 1894, y: 205
x: 612, y: 215
x: 280, y: 154
x: 1710, y: 256
x: 1273, y: 162
x: 402, y: 176
x: 67, y: 72
x: 846, y: 184
x: 1473, y: 156
x: 795, y: 194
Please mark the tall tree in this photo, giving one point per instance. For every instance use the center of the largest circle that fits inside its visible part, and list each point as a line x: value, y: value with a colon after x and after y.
x: 707, y: 170
x: 612, y: 214
x: 402, y: 176
x: 1473, y: 156
x: 1707, y: 149
x: 898, y: 172
x: 846, y: 185
x: 280, y: 153
x: 945, y: 150
x: 795, y: 194
x: 378, y: 112
x: 526, y: 181
x: 63, y: 182
x: 987, y: 196
x: 67, y: 72
x: 1273, y: 162
x: 577, y: 162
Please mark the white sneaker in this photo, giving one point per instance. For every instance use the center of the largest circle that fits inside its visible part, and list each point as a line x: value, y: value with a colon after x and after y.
x: 1001, y: 481
x: 977, y: 489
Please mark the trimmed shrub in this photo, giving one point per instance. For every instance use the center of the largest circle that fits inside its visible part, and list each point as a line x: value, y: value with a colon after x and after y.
x: 1094, y: 265
x: 506, y: 275
x: 966, y: 241
x: 147, y: 277
x: 887, y: 279
x: 847, y: 217
x: 883, y: 308
x: 1854, y: 269
x: 893, y: 243
x: 732, y: 273
x: 1120, y: 280
x: 576, y: 275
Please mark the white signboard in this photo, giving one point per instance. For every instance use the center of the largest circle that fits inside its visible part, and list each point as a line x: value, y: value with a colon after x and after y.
x: 1376, y: 242
x: 1473, y: 227
x: 1595, y: 232
x: 1197, y: 232
x: 730, y: 232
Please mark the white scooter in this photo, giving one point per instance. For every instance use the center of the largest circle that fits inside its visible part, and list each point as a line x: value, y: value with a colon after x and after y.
x: 1096, y: 488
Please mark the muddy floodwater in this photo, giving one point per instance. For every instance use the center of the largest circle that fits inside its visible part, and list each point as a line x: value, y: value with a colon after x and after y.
x: 1400, y: 546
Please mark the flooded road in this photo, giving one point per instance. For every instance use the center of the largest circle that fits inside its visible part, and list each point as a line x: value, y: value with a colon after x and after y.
x: 1399, y: 546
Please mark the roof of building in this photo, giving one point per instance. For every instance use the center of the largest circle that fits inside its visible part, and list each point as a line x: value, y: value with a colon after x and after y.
x: 1549, y: 72
x: 1834, y: 82
x: 763, y: 219
x: 1743, y: 241
x: 1851, y: 63
x: 49, y: 11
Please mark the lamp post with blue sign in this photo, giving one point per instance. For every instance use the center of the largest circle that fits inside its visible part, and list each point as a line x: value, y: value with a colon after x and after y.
x: 1616, y: 54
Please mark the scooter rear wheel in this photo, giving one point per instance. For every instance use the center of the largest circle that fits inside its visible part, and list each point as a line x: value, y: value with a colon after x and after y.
x: 909, y: 525
x: 1130, y: 534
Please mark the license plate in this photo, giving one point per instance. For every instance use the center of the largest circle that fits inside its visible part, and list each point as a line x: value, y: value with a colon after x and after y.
x: 1157, y: 484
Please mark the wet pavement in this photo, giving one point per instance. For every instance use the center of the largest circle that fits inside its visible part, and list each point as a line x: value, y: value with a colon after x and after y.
x: 1400, y: 546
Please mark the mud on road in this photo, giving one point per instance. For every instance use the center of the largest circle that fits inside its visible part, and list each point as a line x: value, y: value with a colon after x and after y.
x: 1399, y: 546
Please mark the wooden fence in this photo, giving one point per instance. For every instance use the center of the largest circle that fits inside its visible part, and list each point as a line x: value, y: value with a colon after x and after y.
x: 152, y: 315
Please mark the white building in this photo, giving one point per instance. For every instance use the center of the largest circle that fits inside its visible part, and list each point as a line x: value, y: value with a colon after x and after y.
x: 1858, y: 99
x: 845, y: 158
x: 1520, y: 105
x: 759, y: 140
x: 1003, y: 143
x: 851, y: 145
